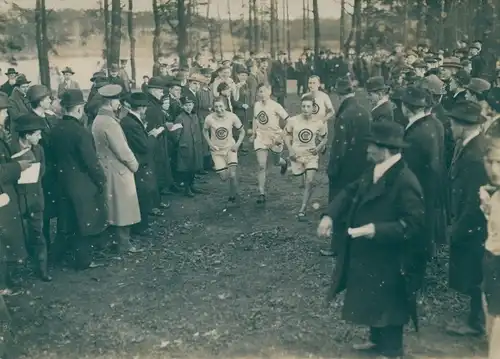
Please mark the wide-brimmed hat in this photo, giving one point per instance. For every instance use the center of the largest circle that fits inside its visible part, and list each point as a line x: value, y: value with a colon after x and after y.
x: 375, y: 83
x: 68, y: 70
x: 452, y: 62
x: 493, y: 98
x: 22, y: 80
x: 71, y: 97
x: 196, y: 77
x: 387, y: 134
x: 37, y: 92
x: 137, y: 99
x: 156, y: 82
x: 110, y: 91
x: 11, y: 71
x: 467, y: 112
x: 4, y: 100
x: 478, y: 85
x: 344, y: 85
x: 415, y: 96
x: 29, y: 122
x: 434, y: 85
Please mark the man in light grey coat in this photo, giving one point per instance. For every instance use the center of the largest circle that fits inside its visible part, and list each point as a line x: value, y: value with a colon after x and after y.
x: 119, y: 164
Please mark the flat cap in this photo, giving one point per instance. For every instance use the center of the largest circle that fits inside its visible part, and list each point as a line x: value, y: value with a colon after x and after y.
x: 110, y: 91
x: 478, y: 85
x: 37, y: 92
x: 29, y: 122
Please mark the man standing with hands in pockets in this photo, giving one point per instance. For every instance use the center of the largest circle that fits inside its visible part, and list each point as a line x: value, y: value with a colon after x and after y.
x: 376, y: 221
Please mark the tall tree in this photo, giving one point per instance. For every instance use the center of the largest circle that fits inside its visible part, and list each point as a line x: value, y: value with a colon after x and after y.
x: 256, y: 24
x: 156, y: 31
x: 304, y: 21
x: 42, y: 42
x: 342, y: 23
x: 272, y: 30
x: 107, y: 31
x: 131, y: 36
x: 231, y: 25
x: 250, y: 27
x: 277, y: 25
x: 317, y: 34
x: 357, y: 25
x: 116, y: 32
x: 288, y: 26
x: 422, y: 19
x: 182, y: 34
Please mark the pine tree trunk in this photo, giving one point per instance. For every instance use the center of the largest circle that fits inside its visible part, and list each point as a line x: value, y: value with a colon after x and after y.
x: 272, y: 31
x: 182, y: 34
x: 250, y: 27
x: 107, y: 32
x: 288, y: 29
x: 357, y: 25
x: 422, y: 19
x: 42, y: 42
x: 304, y: 21
x: 131, y: 36
x: 342, y: 24
x: 116, y: 33
x: 256, y: 21
x: 316, y: 31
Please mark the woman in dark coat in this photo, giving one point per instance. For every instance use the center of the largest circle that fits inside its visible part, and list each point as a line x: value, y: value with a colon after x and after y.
x: 142, y: 145
x: 12, y: 245
x: 189, y: 147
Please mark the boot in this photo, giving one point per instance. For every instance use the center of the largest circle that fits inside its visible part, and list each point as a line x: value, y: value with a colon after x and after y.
x: 43, y: 271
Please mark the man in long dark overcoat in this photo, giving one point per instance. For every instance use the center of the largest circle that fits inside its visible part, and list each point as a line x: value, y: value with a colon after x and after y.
x: 82, y: 203
x: 142, y: 143
x: 377, y: 221
x: 278, y: 78
x: 352, y: 124
x: 425, y: 157
x: 468, y: 224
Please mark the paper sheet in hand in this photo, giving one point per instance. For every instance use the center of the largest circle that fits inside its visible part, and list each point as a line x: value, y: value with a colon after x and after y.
x: 175, y: 126
x: 4, y: 199
x: 30, y: 175
x: 362, y: 231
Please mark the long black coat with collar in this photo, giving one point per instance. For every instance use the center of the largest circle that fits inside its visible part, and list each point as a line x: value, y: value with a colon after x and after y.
x: 348, y: 150
x: 425, y: 157
x: 143, y: 146
x: 81, y: 177
x: 451, y: 98
x: 468, y: 225
x: 377, y: 273
x: 449, y: 142
x: 384, y: 112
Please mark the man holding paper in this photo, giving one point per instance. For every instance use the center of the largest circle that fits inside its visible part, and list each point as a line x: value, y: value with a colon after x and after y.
x: 376, y: 222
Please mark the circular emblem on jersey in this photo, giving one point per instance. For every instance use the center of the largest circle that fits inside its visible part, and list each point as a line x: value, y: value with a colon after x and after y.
x: 315, y: 108
x: 262, y: 118
x: 305, y: 135
x: 221, y: 133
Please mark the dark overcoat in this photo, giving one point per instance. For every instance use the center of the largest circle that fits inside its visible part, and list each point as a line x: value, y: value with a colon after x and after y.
x: 351, y: 126
x: 155, y: 117
x: 277, y: 78
x: 11, y: 226
x: 449, y: 141
x: 377, y: 273
x: 189, y: 143
x: 425, y: 157
x: 468, y: 225
x: 81, y: 177
x: 384, y: 112
x: 18, y: 105
x: 142, y: 145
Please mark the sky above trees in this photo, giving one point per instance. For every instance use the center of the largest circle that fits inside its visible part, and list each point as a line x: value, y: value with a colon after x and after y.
x: 328, y: 8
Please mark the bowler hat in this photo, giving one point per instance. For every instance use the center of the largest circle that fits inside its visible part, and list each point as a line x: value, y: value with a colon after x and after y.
x: 186, y: 99
x: 114, y: 68
x: 375, y: 83
x: 415, y: 96
x: 452, y: 62
x: 387, y: 134
x: 467, y: 112
x: 344, y: 86
x: 68, y: 70
x: 478, y: 85
x: 11, y: 71
x: 397, y: 93
x: 98, y: 75
x: 37, y: 92
x: 173, y: 82
x: 156, y: 82
x: 4, y: 100
x: 29, y: 122
x: 137, y: 99
x: 493, y: 98
x: 434, y: 85
x: 110, y: 91
x: 22, y: 80
x: 72, y: 97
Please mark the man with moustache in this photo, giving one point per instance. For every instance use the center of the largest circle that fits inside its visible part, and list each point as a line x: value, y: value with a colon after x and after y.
x: 378, y: 94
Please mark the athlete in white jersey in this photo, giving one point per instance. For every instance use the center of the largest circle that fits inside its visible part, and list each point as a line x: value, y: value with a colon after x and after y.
x: 218, y: 132
x: 306, y: 136
x: 323, y: 108
x: 267, y: 134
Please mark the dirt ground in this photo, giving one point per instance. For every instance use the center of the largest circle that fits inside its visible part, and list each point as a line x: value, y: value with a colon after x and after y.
x: 217, y: 283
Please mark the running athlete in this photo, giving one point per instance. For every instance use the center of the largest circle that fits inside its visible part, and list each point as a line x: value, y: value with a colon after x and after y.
x: 305, y: 137
x: 267, y: 135
x: 323, y: 107
x: 218, y: 132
